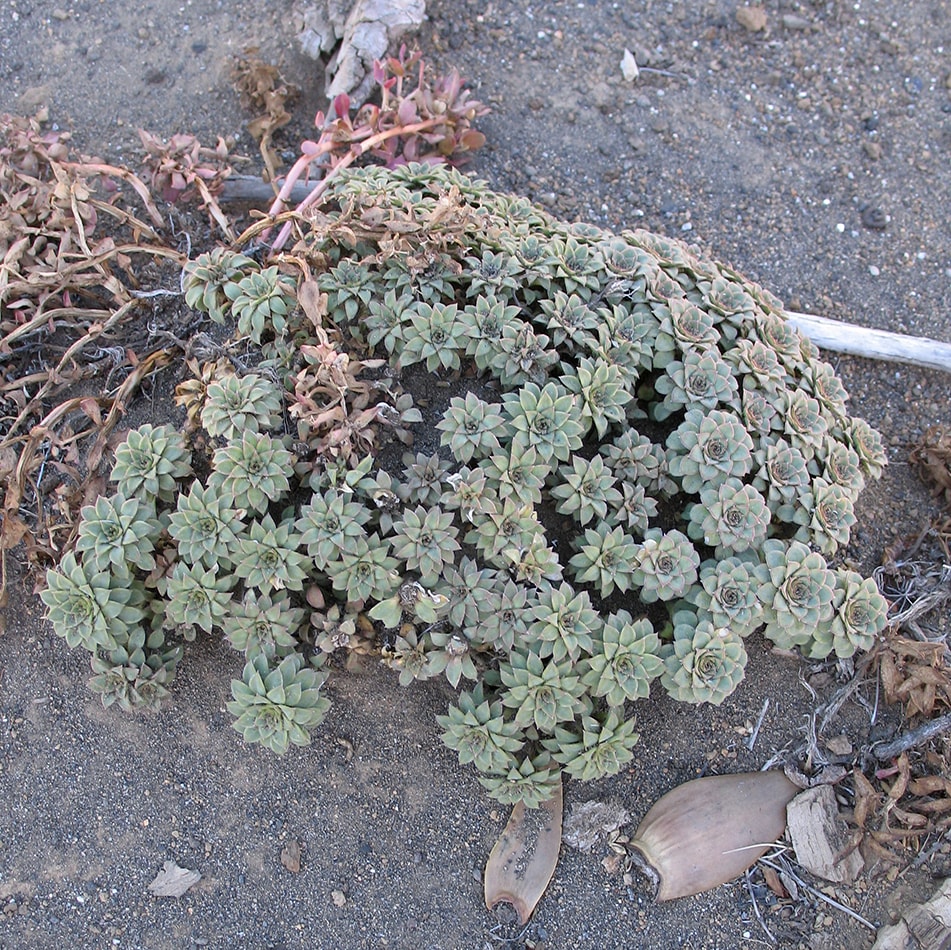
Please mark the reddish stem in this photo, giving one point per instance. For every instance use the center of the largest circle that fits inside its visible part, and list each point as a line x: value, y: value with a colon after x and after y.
x: 356, y: 150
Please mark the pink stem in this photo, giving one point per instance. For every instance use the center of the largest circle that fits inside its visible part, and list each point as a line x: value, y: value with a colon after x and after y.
x: 356, y: 150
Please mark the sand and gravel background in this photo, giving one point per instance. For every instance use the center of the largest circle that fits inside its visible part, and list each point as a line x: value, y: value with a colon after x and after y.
x: 812, y: 155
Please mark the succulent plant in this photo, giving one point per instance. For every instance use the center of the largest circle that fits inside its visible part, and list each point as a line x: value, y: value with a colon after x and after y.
x: 508, y: 610
x: 708, y: 448
x: 237, y: 404
x: 263, y: 624
x: 635, y: 510
x: 782, y: 476
x: 477, y: 730
x: 484, y: 324
x: 683, y: 327
x: 278, y: 705
x: 605, y: 745
x: 665, y: 565
x: 601, y: 394
x: 409, y: 655
x: 606, y: 558
x: 841, y: 466
x: 450, y: 655
x: 798, y: 595
x: 634, y: 458
x: 564, y: 622
x: 549, y: 341
x: 867, y: 444
x: 703, y: 664
x: 542, y: 692
x: 567, y: 316
x: 832, y: 517
x: 759, y: 412
x: 860, y: 615
x: 759, y: 364
x: 588, y: 490
x: 149, y: 461
x: 545, y: 419
x: 730, y: 518
x: 468, y: 493
x: 332, y: 524
x: 519, y: 475
x: 266, y: 556
x: 531, y: 781
x: 349, y: 288
x: 90, y: 608
x: 252, y: 472
x: 384, y: 322
x: 471, y: 428
x: 827, y: 388
x: 366, y: 571
x: 624, y: 661
x: 522, y: 356
x: 433, y: 335
x: 205, y: 527
x: 196, y: 597
x: 728, y: 593
x: 491, y: 273
x: 468, y: 588
x: 508, y: 526
x: 137, y: 673
x: 118, y: 533
x: 426, y: 540
x: 424, y: 479
x: 262, y: 299
x: 805, y: 424
x: 204, y: 280
x: 702, y: 379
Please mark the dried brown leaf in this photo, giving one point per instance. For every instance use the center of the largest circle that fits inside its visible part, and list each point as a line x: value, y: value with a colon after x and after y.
x: 523, y: 860
x: 708, y: 831
x: 867, y: 799
x: 932, y: 455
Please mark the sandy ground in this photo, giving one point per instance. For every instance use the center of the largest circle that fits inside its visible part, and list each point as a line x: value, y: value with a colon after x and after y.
x: 775, y: 151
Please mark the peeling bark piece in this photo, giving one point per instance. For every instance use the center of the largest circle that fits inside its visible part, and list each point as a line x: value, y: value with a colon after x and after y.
x: 709, y: 831
x: 591, y: 822
x: 819, y: 836
x: 922, y: 927
x: 173, y: 881
x: 359, y: 32
x: 523, y: 860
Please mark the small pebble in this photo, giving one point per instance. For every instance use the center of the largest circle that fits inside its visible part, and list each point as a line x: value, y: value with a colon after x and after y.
x: 873, y: 270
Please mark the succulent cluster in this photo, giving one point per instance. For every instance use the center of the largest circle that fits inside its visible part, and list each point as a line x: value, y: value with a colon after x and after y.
x: 632, y: 463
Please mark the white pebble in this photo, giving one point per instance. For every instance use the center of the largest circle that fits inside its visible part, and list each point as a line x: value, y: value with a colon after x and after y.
x: 874, y: 271
x: 840, y: 227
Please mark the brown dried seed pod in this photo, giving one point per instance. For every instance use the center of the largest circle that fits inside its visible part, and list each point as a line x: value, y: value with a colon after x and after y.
x: 708, y: 831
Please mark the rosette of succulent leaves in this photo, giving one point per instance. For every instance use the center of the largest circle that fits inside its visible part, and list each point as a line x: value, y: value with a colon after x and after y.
x: 625, y: 464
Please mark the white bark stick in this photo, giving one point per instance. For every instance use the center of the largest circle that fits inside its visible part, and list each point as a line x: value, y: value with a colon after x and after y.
x: 874, y: 344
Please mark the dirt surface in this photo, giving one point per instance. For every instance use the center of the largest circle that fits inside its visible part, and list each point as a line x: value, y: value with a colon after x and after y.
x: 813, y: 156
